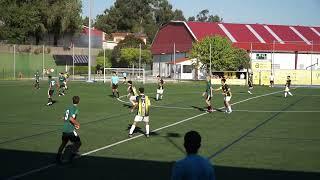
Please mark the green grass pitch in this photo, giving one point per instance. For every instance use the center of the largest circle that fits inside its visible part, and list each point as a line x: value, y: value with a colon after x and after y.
x: 266, y: 137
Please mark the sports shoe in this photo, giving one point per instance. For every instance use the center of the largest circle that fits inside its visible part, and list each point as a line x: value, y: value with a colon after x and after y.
x: 130, y: 135
x: 147, y: 135
x: 210, y: 110
x: 249, y: 92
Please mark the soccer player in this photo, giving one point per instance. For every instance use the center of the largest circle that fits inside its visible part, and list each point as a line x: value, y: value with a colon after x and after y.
x: 160, y: 88
x: 208, y: 94
x: 287, y: 87
x: 271, y: 80
x: 132, y: 94
x: 124, y: 74
x: 226, y: 91
x: 66, y: 76
x: 62, y: 81
x: 69, y: 133
x: 52, y: 84
x: 114, y: 84
x: 143, y: 104
x: 250, y: 83
x: 37, y: 82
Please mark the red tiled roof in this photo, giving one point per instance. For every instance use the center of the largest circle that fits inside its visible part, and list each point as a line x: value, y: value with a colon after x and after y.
x: 179, y: 60
x: 94, y: 32
x: 256, y: 37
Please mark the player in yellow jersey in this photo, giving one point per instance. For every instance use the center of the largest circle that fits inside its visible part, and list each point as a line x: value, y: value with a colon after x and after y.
x: 143, y: 109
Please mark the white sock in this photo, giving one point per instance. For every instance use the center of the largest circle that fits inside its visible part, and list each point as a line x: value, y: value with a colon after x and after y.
x: 147, y: 129
x: 161, y: 96
x: 157, y: 96
x: 132, y: 129
x: 285, y: 94
x: 229, y: 108
x: 290, y: 93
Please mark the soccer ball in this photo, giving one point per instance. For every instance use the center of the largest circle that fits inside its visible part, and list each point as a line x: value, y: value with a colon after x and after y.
x: 51, y: 70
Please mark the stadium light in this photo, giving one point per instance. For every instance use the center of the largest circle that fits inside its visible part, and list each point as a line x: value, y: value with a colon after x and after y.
x: 89, y: 53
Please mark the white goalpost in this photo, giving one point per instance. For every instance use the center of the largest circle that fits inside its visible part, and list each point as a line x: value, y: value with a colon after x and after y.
x: 133, y: 74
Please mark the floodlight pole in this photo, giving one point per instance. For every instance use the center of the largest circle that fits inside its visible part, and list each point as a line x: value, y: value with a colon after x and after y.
x: 89, y: 59
x: 139, y: 59
x: 14, y: 61
x: 73, y: 61
x: 210, y: 61
x: 174, y: 61
x: 43, y: 62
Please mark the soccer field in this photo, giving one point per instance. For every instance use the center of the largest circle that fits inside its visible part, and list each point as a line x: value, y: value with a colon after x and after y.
x: 266, y: 137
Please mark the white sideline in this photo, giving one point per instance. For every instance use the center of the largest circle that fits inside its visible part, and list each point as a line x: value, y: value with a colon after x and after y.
x: 129, y: 139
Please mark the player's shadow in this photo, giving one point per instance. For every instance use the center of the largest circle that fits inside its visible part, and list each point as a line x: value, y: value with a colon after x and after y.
x: 140, y: 130
x: 112, y: 96
x: 169, y: 137
x: 127, y: 105
x: 54, y: 101
x: 199, y: 108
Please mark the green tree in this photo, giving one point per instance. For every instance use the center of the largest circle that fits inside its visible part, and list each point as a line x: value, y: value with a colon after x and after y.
x: 130, y: 41
x: 131, y: 56
x: 100, y: 59
x: 140, y: 16
x: 64, y: 16
x: 205, y: 16
x: 224, y: 57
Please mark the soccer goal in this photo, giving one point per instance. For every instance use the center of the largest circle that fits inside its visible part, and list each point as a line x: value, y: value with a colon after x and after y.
x: 133, y: 74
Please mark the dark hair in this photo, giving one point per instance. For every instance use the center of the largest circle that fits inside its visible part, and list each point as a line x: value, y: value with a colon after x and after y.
x: 130, y: 82
x: 223, y: 80
x: 288, y: 76
x: 192, y: 142
x: 141, y: 90
x: 49, y: 76
x: 158, y: 76
x: 75, y: 99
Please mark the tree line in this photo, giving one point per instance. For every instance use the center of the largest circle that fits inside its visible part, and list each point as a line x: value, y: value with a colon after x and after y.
x: 21, y: 20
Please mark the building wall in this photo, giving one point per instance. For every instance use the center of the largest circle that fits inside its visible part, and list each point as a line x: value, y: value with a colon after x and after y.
x: 287, y: 60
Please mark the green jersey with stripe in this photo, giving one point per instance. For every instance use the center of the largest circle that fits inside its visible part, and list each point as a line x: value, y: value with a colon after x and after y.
x: 71, y: 112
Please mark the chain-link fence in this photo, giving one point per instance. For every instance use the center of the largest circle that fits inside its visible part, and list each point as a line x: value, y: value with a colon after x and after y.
x: 23, y: 61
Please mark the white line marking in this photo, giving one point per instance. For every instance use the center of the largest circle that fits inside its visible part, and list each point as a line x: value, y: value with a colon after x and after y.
x: 225, y: 30
x: 129, y: 139
x: 273, y: 34
x: 300, y: 35
x: 315, y: 31
x: 260, y: 111
x: 254, y: 32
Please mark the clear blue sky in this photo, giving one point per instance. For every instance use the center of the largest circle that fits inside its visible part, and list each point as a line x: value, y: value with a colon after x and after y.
x: 292, y: 12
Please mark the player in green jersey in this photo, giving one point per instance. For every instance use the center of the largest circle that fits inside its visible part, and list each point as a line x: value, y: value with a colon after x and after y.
x: 37, y: 80
x: 69, y: 133
x: 52, y: 85
x: 62, y: 81
x: 143, y: 108
x: 208, y: 94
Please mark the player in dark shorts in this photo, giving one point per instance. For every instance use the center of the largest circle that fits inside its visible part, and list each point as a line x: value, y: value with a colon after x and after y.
x: 37, y: 80
x: 287, y: 87
x: 208, y: 94
x: 69, y: 133
x: 114, y: 84
x: 250, y: 83
x: 160, y: 88
x: 62, y: 83
x: 52, y: 85
x: 226, y: 91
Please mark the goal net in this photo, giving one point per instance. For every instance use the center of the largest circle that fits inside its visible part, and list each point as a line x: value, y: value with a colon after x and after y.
x: 133, y: 74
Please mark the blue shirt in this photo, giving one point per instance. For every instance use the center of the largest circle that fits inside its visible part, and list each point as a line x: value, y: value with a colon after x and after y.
x: 193, y: 167
x: 114, y: 79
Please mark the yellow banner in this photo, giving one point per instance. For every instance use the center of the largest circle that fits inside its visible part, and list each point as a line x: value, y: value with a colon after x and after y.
x: 298, y: 77
x: 261, y: 65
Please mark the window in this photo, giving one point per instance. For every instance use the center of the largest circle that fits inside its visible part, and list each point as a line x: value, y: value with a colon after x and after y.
x: 187, y: 69
x: 261, y: 56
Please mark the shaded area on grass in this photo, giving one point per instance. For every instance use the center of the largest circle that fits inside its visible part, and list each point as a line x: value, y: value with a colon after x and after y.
x: 93, y: 167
